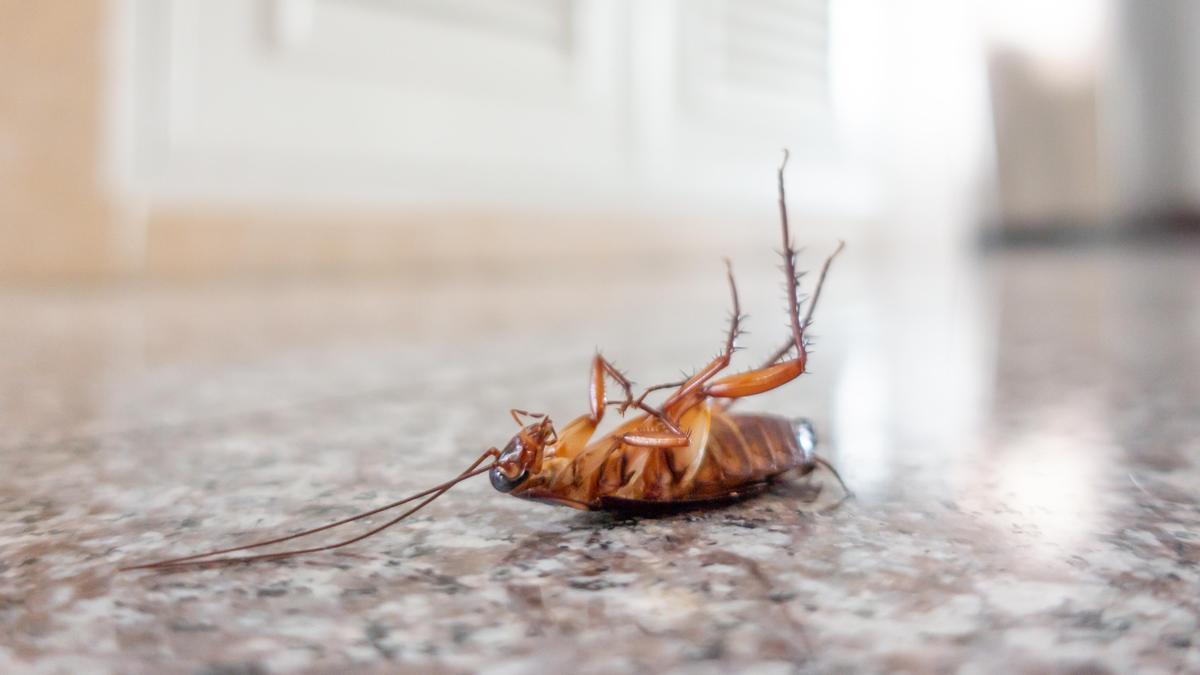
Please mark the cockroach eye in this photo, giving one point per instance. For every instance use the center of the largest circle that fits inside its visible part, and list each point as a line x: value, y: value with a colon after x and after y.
x: 510, y: 458
x: 503, y: 483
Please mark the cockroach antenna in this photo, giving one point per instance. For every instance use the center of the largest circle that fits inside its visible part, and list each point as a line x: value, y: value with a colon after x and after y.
x: 209, y: 558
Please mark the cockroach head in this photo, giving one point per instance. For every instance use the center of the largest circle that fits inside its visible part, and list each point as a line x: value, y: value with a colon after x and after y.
x: 522, y: 457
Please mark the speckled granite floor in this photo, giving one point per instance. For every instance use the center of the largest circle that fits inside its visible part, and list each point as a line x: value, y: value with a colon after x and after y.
x: 1022, y: 433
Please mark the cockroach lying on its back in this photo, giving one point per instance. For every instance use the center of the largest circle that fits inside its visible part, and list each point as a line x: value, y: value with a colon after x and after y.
x: 688, y: 452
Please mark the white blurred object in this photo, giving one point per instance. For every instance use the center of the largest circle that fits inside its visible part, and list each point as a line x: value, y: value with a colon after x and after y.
x: 910, y: 89
x: 1153, y: 111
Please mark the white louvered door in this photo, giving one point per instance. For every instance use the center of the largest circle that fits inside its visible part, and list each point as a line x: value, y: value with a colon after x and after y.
x: 516, y: 103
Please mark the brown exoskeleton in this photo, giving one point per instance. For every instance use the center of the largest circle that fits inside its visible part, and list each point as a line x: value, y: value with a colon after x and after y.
x: 688, y: 452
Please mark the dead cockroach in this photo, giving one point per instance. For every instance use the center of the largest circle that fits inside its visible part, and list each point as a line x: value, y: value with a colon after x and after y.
x: 688, y: 452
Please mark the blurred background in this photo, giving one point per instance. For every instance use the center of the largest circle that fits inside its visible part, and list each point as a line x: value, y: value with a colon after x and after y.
x: 305, y: 137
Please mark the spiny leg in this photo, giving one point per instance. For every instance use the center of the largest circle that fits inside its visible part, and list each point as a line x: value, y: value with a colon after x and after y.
x: 517, y: 413
x: 659, y: 387
x: 575, y: 436
x: 656, y: 439
x: 789, y: 266
x: 812, y: 305
x: 601, y: 367
x: 774, y: 374
x: 685, y: 397
x: 674, y: 437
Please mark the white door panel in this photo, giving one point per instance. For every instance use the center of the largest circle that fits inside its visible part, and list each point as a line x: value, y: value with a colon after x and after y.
x: 452, y: 102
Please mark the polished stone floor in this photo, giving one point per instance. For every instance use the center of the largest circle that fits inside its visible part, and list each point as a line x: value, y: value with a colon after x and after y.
x: 1021, y: 431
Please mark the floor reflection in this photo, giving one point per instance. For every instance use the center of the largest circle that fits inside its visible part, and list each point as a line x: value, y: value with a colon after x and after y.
x: 1033, y: 386
x: 916, y: 374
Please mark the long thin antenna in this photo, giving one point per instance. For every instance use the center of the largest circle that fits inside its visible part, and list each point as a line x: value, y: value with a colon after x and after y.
x: 825, y: 463
x: 207, y: 558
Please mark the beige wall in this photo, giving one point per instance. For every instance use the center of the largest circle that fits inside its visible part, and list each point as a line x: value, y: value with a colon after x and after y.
x: 59, y: 222
x: 55, y: 221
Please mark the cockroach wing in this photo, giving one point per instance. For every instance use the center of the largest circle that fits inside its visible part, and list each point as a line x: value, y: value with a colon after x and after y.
x: 685, y: 462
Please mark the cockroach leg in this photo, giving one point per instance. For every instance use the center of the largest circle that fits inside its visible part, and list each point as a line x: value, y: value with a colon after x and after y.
x: 602, y: 367
x: 659, y: 387
x: 812, y: 305
x: 517, y: 413
x: 756, y: 381
x: 789, y: 267
x: 683, y: 399
x: 773, y: 373
x: 656, y: 439
x: 658, y: 414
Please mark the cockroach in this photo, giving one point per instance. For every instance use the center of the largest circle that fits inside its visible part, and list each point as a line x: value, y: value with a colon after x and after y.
x: 689, y: 452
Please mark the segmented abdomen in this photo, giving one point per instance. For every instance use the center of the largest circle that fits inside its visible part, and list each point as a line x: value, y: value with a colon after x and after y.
x: 728, y: 453
x: 747, y: 448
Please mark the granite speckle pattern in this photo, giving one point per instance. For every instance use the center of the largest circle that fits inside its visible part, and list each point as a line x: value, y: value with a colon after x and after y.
x: 1022, y: 432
